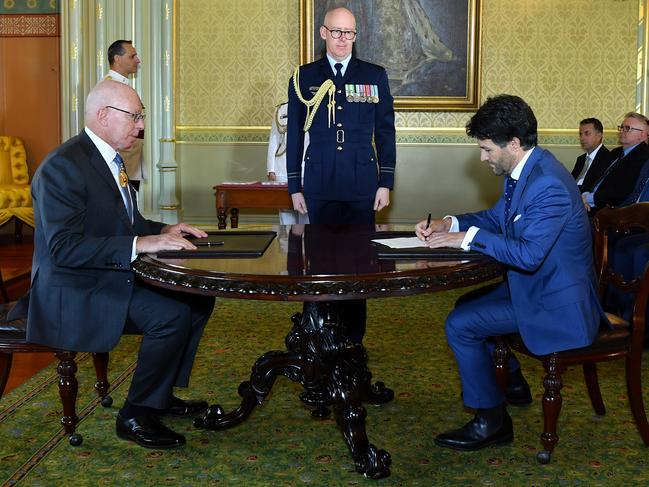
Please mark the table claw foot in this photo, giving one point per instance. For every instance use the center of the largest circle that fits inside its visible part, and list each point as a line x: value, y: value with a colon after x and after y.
x: 374, y: 463
x: 216, y: 419
x: 377, y: 393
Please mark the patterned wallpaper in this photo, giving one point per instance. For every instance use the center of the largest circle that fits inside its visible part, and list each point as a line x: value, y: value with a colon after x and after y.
x: 234, y: 60
x: 568, y: 58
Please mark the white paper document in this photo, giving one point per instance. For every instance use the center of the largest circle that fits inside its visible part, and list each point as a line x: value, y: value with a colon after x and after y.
x: 400, y: 242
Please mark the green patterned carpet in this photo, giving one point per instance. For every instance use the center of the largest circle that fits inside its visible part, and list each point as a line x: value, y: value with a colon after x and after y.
x: 280, y: 444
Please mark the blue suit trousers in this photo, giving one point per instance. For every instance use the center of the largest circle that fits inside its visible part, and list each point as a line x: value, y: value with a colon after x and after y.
x: 468, y: 326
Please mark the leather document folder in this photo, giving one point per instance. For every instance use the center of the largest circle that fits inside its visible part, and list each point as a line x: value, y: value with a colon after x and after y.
x: 225, y: 245
x: 423, y: 253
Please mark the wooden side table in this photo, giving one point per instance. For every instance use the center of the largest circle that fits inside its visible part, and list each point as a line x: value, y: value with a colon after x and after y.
x: 232, y: 196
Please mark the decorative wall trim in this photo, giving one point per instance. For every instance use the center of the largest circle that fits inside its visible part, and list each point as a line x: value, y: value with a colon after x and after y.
x: 29, y: 25
x: 202, y: 134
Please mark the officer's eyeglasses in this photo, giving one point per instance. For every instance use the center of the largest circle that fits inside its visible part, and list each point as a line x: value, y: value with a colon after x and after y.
x: 627, y: 128
x: 135, y: 116
x: 350, y: 35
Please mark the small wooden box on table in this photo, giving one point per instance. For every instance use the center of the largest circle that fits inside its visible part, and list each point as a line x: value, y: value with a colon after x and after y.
x: 232, y: 196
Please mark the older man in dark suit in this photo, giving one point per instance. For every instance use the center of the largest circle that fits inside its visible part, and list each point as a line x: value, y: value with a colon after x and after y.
x: 591, y: 165
x: 618, y: 181
x: 83, y: 293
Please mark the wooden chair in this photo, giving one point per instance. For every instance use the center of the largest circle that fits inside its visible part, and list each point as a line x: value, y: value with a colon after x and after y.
x: 622, y: 340
x: 15, y: 196
x: 13, y: 340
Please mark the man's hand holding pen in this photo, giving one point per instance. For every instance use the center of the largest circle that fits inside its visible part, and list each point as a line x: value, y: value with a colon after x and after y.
x: 435, y: 233
x: 425, y: 228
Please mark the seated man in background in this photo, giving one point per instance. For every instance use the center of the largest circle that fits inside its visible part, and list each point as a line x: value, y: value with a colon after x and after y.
x: 539, y: 230
x: 630, y: 253
x: 618, y: 181
x: 84, y: 294
x: 591, y: 165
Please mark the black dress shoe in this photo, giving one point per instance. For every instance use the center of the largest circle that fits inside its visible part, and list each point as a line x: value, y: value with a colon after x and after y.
x: 180, y: 407
x: 518, y: 390
x: 147, y: 431
x: 488, y: 427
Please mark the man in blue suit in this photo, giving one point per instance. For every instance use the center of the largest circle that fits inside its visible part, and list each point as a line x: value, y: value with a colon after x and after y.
x: 539, y: 230
x: 345, y: 180
x: 84, y: 294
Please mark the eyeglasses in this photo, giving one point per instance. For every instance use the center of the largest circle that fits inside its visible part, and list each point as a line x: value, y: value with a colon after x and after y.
x: 627, y: 128
x: 135, y: 116
x: 350, y: 35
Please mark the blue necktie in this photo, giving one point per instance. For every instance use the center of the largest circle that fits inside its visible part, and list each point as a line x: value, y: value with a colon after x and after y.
x: 510, y: 186
x: 124, y: 186
x: 339, y: 72
x: 643, y: 191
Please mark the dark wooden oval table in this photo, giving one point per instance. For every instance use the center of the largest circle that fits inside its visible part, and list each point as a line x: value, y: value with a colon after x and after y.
x: 324, y: 267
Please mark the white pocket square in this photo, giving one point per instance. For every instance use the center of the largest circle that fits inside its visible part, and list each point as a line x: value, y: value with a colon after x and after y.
x: 518, y: 217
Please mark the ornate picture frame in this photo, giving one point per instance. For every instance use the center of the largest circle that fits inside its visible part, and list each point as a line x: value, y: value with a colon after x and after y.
x: 430, y: 48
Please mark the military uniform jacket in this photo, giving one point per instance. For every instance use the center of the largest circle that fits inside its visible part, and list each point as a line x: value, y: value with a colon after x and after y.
x: 340, y: 163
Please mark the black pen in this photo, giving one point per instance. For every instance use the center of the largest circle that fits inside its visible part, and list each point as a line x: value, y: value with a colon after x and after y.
x: 208, y: 244
x: 430, y: 216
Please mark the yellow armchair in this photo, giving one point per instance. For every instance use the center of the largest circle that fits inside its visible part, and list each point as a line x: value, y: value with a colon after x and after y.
x: 15, y: 196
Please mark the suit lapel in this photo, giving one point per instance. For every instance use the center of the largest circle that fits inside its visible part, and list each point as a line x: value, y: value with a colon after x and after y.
x: 522, y: 182
x: 98, y: 163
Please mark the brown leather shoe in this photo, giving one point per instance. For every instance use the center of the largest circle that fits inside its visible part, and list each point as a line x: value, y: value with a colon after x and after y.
x: 147, y: 431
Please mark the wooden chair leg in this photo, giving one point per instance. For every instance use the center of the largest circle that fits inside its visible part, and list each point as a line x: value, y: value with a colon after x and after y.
x: 5, y: 368
x: 68, y: 387
x: 552, y: 402
x: 18, y: 229
x: 634, y: 390
x: 592, y: 385
x: 501, y: 361
x: 100, y: 361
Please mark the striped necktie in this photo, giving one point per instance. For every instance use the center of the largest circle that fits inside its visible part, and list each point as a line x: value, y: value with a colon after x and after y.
x: 584, y: 170
x: 124, y: 186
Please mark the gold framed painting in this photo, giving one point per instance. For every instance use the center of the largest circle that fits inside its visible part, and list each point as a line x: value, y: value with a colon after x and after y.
x: 429, y: 48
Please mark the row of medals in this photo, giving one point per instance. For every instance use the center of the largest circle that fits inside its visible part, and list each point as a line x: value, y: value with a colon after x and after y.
x: 362, y: 93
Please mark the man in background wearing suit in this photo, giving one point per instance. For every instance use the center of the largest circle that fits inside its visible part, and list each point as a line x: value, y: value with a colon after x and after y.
x: 539, y: 230
x: 618, y: 181
x: 124, y: 62
x: 591, y: 165
x: 345, y: 180
x: 84, y: 294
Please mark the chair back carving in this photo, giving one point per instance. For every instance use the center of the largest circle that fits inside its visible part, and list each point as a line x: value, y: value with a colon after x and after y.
x: 616, y: 221
x: 610, y: 224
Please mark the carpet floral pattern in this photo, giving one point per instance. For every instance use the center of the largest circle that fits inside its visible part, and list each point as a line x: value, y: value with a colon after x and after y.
x: 280, y: 444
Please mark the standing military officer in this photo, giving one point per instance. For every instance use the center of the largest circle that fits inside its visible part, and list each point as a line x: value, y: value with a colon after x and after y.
x: 342, y: 102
